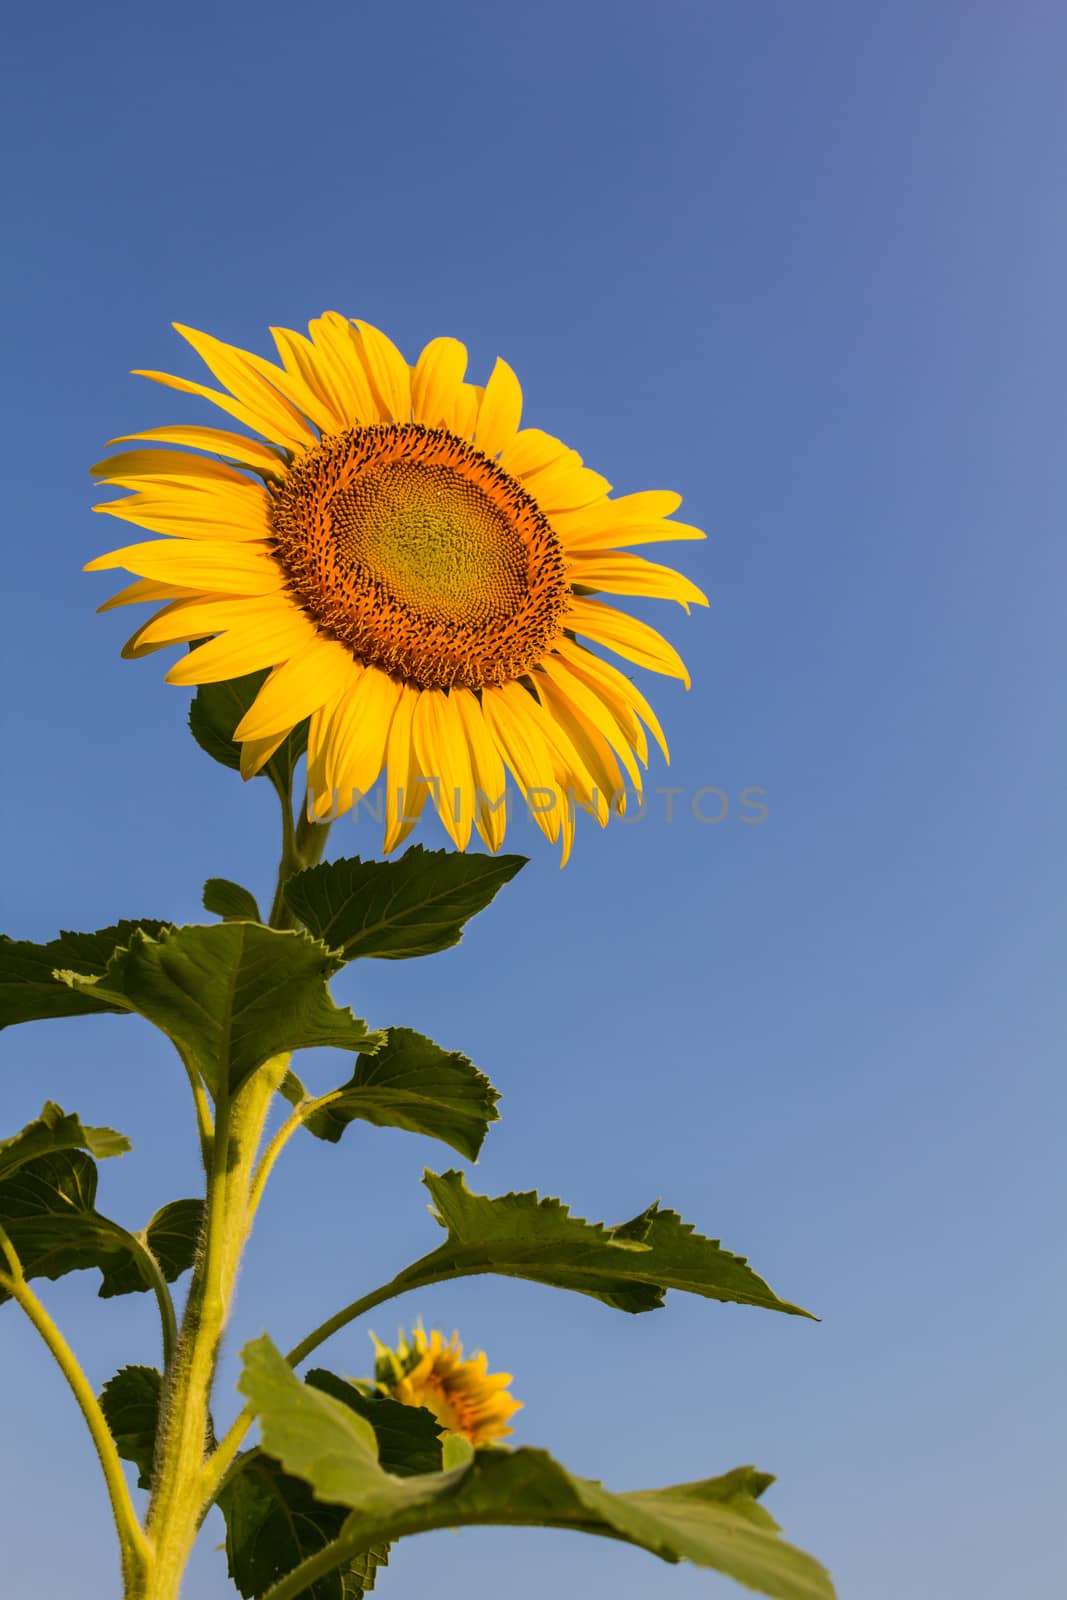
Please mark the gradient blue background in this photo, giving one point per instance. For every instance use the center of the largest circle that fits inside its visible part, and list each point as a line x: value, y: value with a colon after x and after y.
x: 805, y: 263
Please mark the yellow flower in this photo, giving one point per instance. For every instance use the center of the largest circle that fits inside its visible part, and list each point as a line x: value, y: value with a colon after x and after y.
x: 414, y: 566
x: 463, y: 1395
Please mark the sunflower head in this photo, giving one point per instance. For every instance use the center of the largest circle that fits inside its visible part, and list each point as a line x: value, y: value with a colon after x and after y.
x: 417, y: 571
x: 465, y: 1397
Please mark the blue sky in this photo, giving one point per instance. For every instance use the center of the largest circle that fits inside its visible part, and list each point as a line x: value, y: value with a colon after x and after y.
x: 805, y: 264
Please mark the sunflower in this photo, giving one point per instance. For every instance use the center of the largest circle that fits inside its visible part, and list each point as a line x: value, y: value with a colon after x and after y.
x: 464, y: 1396
x: 417, y: 570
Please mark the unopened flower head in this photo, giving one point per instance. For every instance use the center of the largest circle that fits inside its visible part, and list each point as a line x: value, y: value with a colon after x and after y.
x: 465, y: 1397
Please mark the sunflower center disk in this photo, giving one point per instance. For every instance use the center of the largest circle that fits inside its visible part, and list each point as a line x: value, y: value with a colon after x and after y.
x: 422, y: 555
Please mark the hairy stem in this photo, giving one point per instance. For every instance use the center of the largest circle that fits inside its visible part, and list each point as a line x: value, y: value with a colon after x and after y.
x: 178, y: 1493
x: 132, y: 1542
x: 295, y: 1120
x: 186, y: 1478
x: 272, y: 1152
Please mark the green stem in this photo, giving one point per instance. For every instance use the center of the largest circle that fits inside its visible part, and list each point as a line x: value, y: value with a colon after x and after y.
x: 186, y: 1480
x: 344, y: 1549
x: 288, y: 863
x: 271, y: 1154
x: 302, y: 847
x: 295, y: 1120
x: 132, y: 1541
x: 217, y: 1470
x: 320, y: 1565
x: 183, y: 1423
x: 178, y: 1493
x: 161, y: 1290
x: 205, y: 1126
x: 341, y: 1319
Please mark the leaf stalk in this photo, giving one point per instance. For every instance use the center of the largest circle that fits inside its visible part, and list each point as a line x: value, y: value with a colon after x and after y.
x: 133, y: 1544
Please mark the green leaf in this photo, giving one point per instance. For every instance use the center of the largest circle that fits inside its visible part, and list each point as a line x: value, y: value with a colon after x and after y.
x: 302, y: 1426
x: 172, y: 1236
x: 630, y: 1266
x: 47, y: 1194
x: 716, y: 1523
x: 395, y: 909
x: 55, y: 1130
x: 29, y: 989
x: 230, y: 902
x: 214, y: 713
x: 362, y: 1570
x: 409, y: 1437
x: 130, y: 1403
x: 412, y: 1083
x: 47, y: 1211
x: 230, y: 996
x: 273, y: 1522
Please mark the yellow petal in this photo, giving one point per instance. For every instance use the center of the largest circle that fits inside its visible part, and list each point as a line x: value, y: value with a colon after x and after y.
x: 191, y: 514
x: 405, y: 793
x: 340, y: 362
x: 624, y: 574
x: 626, y: 636
x: 328, y: 746
x: 564, y: 482
x: 500, y: 411
x: 310, y: 378
x: 389, y: 373
x: 196, y: 618
x: 437, y: 383
x: 255, y: 753
x: 171, y: 625
x: 592, y: 749
x: 137, y: 646
x: 608, y: 537
x: 220, y: 567
x: 566, y: 833
x: 260, y: 457
x: 176, y: 468
x: 490, y: 780
x: 630, y: 519
x: 587, y: 706
x: 242, y: 374
x: 301, y: 395
x: 467, y: 408
x: 620, y: 690
x: 512, y: 718
x: 648, y: 505
x: 531, y: 450
x: 359, y: 732
x: 246, y: 648
x: 320, y: 797
x: 442, y: 750
x: 144, y: 589
x: 233, y: 408
x: 296, y: 379
x: 618, y: 703
x: 295, y: 690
